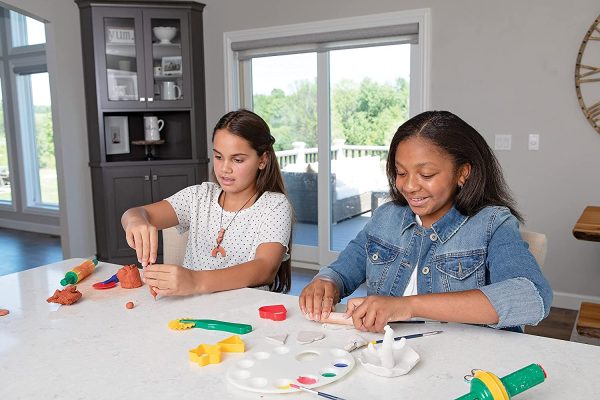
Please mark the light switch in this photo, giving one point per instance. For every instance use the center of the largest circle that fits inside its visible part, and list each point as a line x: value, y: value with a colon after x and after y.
x: 502, y: 142
x: 534, y: 141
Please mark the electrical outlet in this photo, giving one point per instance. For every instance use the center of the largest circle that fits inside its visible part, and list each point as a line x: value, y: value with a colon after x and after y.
x: 534, y: 141
x: 502, y: 142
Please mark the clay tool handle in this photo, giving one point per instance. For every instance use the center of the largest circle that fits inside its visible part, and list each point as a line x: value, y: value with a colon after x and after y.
x: 107, y: 284
x: 215, y: 325
x: 416, y: 335
x: 322, y: 394
x: 417, y: 322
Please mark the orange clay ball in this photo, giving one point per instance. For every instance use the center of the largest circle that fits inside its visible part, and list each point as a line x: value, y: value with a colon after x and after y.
x: 129, y: 305
x: 4, y: 312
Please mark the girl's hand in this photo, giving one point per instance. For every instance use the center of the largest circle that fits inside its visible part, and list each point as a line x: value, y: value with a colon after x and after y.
x: 143, y: 237
x: 372, y: 313
x: 318, y: 299
x: 171, y: 280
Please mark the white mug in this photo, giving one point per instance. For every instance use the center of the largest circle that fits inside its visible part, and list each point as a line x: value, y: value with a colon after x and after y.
x: 152, y: 127
x: 170, y: 91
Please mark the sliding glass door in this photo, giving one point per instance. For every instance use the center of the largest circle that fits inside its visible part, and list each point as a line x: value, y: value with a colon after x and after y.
x: 333, y: 93
x: 333, y: 115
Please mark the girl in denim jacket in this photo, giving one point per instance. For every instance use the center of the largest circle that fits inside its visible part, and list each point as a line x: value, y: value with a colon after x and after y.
x: 447, y: 247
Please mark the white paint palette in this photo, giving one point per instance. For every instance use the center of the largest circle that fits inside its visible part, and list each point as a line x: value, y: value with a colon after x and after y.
x: 272, y: 369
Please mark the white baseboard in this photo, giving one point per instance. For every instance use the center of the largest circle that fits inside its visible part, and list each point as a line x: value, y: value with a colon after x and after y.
x: 305, y: 265
x: 30, y: 226
x: 572, y: 301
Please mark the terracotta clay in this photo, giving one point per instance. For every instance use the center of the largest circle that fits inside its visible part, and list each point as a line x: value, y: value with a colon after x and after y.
x: 129, y: 305
x: 67, y: 296
x: 3, y: 312
x: 129, y: 277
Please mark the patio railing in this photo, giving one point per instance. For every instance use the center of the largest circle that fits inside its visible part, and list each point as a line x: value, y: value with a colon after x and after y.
x: 301, y: 154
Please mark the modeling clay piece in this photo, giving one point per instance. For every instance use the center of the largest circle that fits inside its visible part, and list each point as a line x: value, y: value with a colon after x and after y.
x: 279, y: 339
x: 107, y: 284
x: 276, y: 312
x: 305, y: 337
x: 129, y: 277
x: 129, y: 305
x: 206, y: 354
x: 338, y: 318
x: 210, y: 324
x: 67, y: 296
x: 393, y: 358
x: 3, y: 312
x: 355, y: 342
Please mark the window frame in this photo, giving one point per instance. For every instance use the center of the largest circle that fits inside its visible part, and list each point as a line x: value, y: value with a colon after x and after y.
x: 24, y: 176
x: 30, y: 185
x: 4, y: 83
x: 420, y: 54
x: 238, y: 84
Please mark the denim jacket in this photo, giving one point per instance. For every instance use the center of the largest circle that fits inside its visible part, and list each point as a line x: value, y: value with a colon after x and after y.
x: 457, y: 253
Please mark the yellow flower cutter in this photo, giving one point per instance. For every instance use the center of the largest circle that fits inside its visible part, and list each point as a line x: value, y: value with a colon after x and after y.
x: 210, y: 324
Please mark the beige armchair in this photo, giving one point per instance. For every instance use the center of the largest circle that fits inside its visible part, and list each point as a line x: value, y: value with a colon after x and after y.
x: 174, y: 246
x: 538, y: 245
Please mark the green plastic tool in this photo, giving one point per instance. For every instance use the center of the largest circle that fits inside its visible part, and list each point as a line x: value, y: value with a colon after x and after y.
x: 215, y: 325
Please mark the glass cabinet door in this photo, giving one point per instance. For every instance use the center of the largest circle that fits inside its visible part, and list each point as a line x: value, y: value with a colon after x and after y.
x: 121, y: 65
x: 168, y: 58
x: 120, y: 58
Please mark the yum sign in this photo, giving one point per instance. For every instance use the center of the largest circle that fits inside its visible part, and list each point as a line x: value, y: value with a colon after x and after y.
x: 120, y: 35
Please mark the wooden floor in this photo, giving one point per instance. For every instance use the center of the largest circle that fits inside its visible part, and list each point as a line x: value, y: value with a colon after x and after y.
x: 21, y: 250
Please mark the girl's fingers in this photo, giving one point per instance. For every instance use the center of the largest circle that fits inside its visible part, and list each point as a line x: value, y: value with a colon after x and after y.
x: 302, y: 301
x: 138, y: 245
x: 328, y: 301
x: 153, y: 245
x: 130, y: 240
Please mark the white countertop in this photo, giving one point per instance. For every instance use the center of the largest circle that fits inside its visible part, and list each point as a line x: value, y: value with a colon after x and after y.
x: 98, y: 349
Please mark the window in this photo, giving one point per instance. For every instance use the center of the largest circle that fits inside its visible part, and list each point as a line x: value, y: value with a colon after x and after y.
x: 5, y: 189
x: 28, y: 177
x: 333, y: 100
x: 35, y: 121
x: 26, y: 31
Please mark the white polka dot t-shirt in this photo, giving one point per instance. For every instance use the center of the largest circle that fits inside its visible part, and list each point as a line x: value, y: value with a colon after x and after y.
x: 197, y: 207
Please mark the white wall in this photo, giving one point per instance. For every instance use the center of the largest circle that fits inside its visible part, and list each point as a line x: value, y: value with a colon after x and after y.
x: 506, y: 67
x: 68, y: 106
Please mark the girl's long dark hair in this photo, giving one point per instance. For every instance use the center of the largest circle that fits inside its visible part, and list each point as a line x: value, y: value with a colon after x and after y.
x: 255, y: 131
x: 485, y: 185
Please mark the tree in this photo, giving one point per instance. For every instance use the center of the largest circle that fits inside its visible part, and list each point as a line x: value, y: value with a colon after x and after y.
x: 44, y: 137
x: 365, y: 113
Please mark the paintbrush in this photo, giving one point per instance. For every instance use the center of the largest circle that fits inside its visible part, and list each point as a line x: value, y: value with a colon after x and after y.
x: 323, y: 394
x: 410, y: 321
x: 416, y: 335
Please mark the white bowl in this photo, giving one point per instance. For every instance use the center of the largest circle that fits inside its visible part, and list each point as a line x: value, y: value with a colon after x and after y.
x: 164, y: 33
